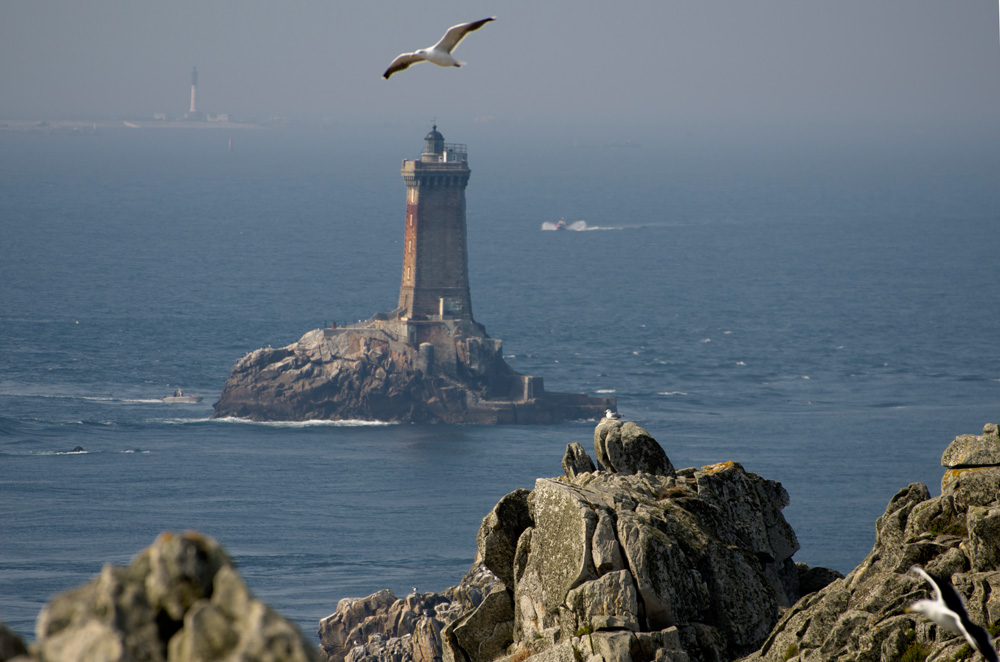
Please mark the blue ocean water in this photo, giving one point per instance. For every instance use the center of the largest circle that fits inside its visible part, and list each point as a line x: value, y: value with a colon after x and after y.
x: 825, y: 315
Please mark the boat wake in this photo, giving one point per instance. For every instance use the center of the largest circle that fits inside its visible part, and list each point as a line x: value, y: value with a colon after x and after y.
x: 138, y: 401
x: 577, y: 226
x: 108, y: 399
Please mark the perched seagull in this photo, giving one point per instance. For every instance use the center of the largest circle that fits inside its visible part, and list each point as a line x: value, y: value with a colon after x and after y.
x: 439, y: 53
x: 947, y: 609
x: 613, y: 415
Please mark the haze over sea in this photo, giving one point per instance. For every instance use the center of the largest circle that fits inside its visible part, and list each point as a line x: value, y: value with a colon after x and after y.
x: 825, y: 313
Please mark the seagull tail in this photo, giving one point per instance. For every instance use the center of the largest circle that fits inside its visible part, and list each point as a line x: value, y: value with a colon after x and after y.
x: 459, y: 63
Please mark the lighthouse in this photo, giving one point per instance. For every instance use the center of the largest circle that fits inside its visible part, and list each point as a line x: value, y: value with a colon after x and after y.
x: 194, y: 91
x: 435, y: 282
x: 427, y: 360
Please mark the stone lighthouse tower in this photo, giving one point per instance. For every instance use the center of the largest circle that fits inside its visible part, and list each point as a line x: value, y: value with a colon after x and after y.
x: 435, y: 281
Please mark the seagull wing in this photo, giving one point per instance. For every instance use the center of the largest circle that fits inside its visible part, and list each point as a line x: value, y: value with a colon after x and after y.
x: 951, y: 598
x: 980, y: 639
x: 402, y: 62
x: 946, y: 594
x: 456, y: 33
x: 936, y: 585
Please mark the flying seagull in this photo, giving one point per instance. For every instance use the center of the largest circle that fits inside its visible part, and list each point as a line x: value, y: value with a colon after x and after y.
x: 947, y: 609
x: 439, y: 53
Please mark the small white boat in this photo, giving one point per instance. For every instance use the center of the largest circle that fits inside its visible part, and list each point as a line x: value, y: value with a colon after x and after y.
x: 178, y: 398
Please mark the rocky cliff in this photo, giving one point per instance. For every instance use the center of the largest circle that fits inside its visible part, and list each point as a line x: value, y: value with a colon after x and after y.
x: 629, y: 559
x: 625, y: 560
x: 373, y: 373
x: 862, y: 616
x: 180, y: 600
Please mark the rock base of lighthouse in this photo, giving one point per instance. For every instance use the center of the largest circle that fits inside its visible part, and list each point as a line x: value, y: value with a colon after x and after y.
x: 416, y: 371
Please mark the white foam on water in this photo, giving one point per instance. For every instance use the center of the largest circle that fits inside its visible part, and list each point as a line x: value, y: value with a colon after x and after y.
x: 299, y: 424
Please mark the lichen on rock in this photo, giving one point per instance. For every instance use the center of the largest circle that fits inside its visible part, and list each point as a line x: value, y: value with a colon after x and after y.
x: 956, y: 535
x: 635, y: 561
x: 376, y: 371
x: 180, y: 600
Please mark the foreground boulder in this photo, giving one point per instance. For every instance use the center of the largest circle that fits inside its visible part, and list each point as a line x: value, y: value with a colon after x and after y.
x: 636, y: 561
x: 862, y: 616
x: 180, y: 600
x: 11, y: 645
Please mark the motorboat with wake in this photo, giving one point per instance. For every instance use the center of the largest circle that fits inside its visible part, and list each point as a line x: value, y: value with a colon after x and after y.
x: 180, y: 398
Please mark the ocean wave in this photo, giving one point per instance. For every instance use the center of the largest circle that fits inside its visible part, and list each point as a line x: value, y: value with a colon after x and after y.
x: 672, y: 393
x: 349, y: 423
x: 75, y: 451
x: 605, y: 390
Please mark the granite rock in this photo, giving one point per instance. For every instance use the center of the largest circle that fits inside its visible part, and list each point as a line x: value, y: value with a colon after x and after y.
x: 500, y: 531
x: 180, y: 600
x: 484, y: 633
x: 384, y: 628
x: 371, y: 372
x: 624, y: 447
x: 862, y: 616
x: 633, y: 562
x: 11, y: 645
x: 616, y: 557
x: 576, y: 461
x: 969, y: 450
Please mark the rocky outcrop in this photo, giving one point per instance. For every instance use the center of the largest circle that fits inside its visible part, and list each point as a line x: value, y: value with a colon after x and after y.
x: 862, y: 616
x: 373, y: 372
x: 385, y: 628
x: 625, y: 448
x: 636, y: 561
x: 11, y: 645
x: 180, y: 600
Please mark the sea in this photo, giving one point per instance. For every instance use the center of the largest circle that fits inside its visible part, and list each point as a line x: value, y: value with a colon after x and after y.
x: 824, y: 311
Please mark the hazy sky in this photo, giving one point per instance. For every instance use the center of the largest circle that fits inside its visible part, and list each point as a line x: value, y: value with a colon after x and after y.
x: 920, y: 63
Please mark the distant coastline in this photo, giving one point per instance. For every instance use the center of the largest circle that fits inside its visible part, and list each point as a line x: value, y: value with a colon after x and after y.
x: 96, y: 126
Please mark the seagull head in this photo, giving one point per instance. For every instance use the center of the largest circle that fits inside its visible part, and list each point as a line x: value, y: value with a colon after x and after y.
x: 936, y: 612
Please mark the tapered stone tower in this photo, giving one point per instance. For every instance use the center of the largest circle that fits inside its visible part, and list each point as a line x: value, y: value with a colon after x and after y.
x: 435, y: 280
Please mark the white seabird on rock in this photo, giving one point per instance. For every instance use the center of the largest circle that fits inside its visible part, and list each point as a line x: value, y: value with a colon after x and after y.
x: 947, y: 609
x: 612, y: 415
x: 439, y: 53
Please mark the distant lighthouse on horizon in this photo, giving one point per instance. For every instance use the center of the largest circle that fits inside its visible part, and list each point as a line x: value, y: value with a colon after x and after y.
x: 194, y: 90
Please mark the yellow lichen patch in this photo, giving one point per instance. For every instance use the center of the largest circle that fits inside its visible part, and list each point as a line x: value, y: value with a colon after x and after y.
x: 195, y: 537
x: 675, y: 492
x: 717, y: 467
x: 952, y: 476
x: 166, y: 536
